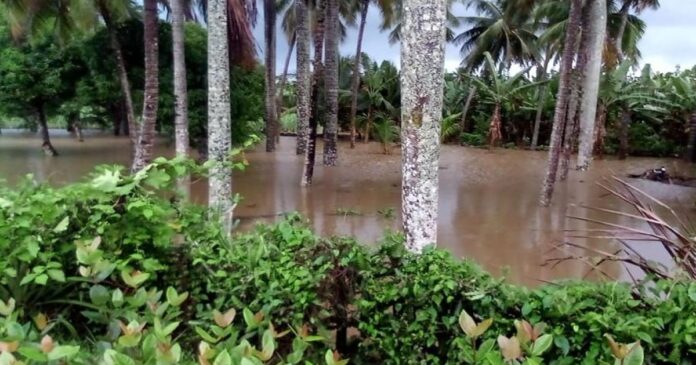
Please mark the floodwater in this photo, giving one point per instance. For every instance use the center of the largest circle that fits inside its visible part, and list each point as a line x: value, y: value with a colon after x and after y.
x: 489, y: 208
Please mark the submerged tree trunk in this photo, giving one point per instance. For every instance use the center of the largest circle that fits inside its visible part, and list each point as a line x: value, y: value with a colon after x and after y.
x: 625, y: 120
x: 219, y: 115
x: 46, y: 144
x: 560, y: 114
x: 77, y: 128
x: 122, y: 74
x: 146, y: 135
x: 691, y: 145
x: 269, y: 9
x: 310, y: 155
x: 600, y: 131
x: 281, y: 85
x: 494, y: 130
x: 355, y: 82
x: 422, y: 74
x: 303, y: 76
x: 541, y: 77
x: 467, y: 106
x: 591, y: 76
x: 181, y: 133
x: 331, y: 83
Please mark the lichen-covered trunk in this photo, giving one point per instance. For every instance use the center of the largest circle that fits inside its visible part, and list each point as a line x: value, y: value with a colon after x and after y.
x: 281, y: 85
x: 600, y: 131
x: 559, y: 118
x: 422, y: 77
x: 269, y: 11
x: 46, y: 144
x: 691, y: 144
x: 625, y: 122
x: 219, y: 115
x: 495, y: 134
x: 596, y: 31
x: 124, y: 82
x: 303, y: 75
x: 146, y: 135
x: 467, y: 106
x: 331, y: 83
x: 541, y: 77
x: 181, y: 133
x: 310, y: 154
x: 355, y: 82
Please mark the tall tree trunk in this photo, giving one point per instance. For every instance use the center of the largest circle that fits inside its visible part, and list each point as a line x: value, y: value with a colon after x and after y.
x: 219, y: 115
x: 281, y: 84
x: 591, y: 76
x: 355, y: 82
x: 467, y: 106
x: 310, y: 155
x: 46, y: 144
x: 122, y: 74
x: 559, y: 121
x: 303, y: 76
x: 181, y: 133
x: 494, y: 130
x: 625, y: 120
x: 600, y: 131
x: 422, y: 76
x: 691, y: 145
x: 146, y: 135
x: 77, y: 128
x: 618, y: 40
x: 269, y: 10
x: 368, y: 124
x: 541, y: 77
x: 331, y: 83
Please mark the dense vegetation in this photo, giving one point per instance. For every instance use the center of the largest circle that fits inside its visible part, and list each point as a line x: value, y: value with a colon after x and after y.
x: 131, y: 277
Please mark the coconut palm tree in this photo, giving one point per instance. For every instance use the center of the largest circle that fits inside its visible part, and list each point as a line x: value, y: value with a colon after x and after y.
x: 318, y: 34
x: 180, y: 85
x: 303, y: 75
x: 374, y: 96
x: 269, y: 15
x: 331, y: 57
x: 559, y: 123
x: 146, y: 134
x: 624, y: 23
x: 423, y: 34
x: 219, y: 138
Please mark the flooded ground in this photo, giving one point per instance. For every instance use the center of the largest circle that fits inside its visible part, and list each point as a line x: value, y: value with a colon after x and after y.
x: 489, y: 208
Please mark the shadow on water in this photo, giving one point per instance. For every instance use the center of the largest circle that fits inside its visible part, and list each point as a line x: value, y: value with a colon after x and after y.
x: 488, y: 199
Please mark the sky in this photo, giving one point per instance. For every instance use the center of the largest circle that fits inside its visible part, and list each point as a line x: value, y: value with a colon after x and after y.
x: 669, y: 41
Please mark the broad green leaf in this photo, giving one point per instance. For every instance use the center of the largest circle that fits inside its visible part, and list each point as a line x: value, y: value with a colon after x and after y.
x: 635, y: 355
x: 223, y: 359
x: 62, y: 226
x: 63, y: 352
x: 542, y: 344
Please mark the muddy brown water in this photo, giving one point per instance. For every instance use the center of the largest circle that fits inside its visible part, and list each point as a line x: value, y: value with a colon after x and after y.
x: 489, y: 208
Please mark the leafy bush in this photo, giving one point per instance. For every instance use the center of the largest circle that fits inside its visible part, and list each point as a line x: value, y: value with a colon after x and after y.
x: 117, y: 266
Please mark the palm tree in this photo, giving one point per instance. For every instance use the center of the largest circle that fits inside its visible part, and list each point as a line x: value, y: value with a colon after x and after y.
x: 331, y: 57
x: 595, y: 29
x: 498, y: 91
x: 180, y: 85
x: 624, y: 16
x: 375, y: 88
x: 303, y: 75
x: 269, y: 15
x: 560, y: 115
x: 318, y: 34
x: 423, y: 36
x: 386, y: 8
x: 219, y: 138
x: 146, y: 135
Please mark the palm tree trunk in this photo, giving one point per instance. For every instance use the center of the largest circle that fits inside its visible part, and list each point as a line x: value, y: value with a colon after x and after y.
x: 422, y: 77
x: 623, y: 133
x: 571, y: 38
x: 494, y: 133
x: 46, y: 144
x: 122, y: 74
x: 541, y: 76
x: 303, y: 76
x: 691, y: 145
x: 467, y: 106
x: 310, y: 155
x: 368, y: 124
x: 219, y: 115
x: 600, y: 131
x: 269, y: 9
x: 146, y: 136
x: 618, y: 40
x: 331, y: 83
x: 355, y: 83
x: 591, y: 75
x: 281, y: 84
x: 181, y: 133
